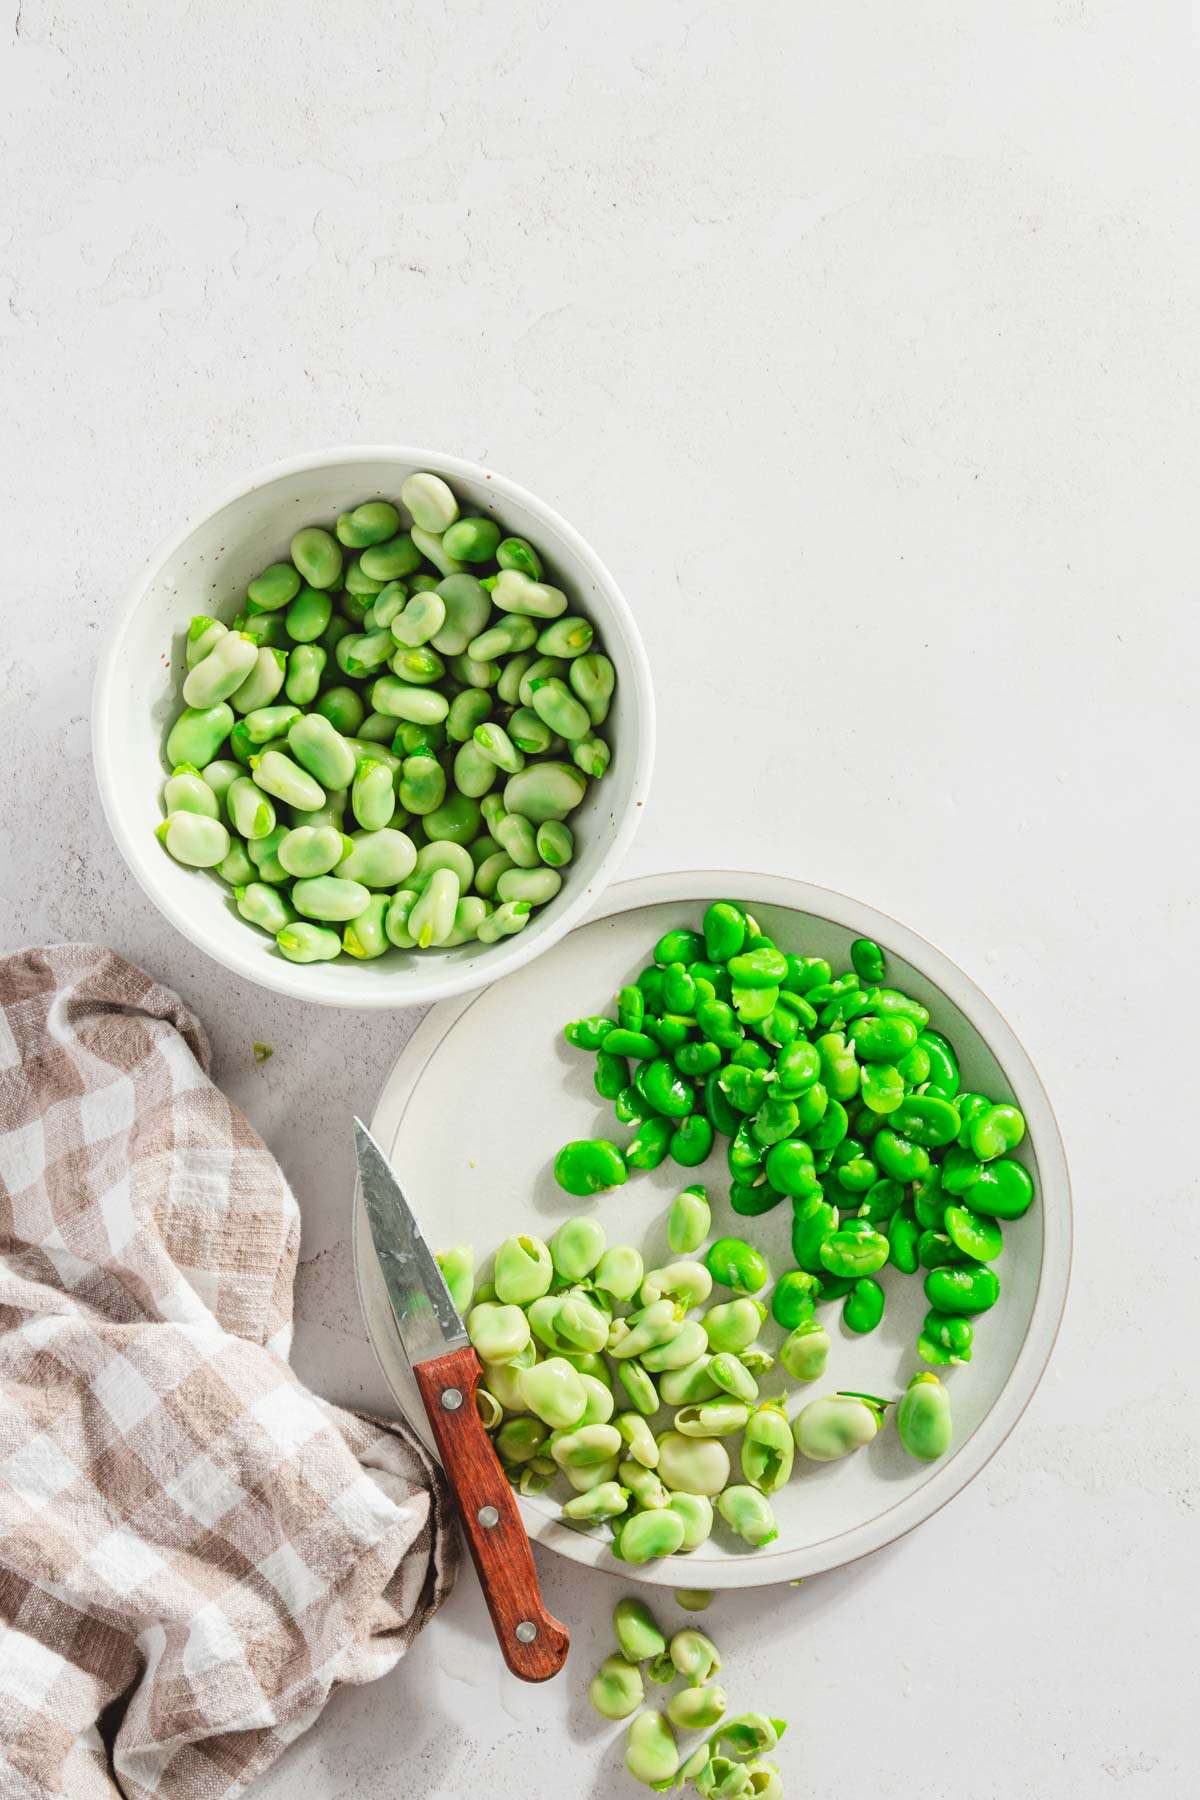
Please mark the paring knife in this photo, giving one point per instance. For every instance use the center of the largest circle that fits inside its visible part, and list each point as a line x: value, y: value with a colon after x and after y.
x: 447, y: 1371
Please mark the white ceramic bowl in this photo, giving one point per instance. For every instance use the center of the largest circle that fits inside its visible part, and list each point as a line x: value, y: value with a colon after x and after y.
x: 486, y: 1091
x: 204, y: 567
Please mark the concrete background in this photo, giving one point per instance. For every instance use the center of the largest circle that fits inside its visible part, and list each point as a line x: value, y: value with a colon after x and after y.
x: 862, y: 342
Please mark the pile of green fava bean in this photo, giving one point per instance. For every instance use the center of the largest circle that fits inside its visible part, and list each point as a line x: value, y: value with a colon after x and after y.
x: 385, y: 745
x: 728, y: 1763
x: 835, y: 1094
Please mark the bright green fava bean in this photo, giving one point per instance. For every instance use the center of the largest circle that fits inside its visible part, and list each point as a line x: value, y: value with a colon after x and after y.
x: 554, y: 1391
x: 923, y: 1420
x: 275, y: 587
x: 194, y: 840
x: 854, y: 1250
x: 524, y: 1270
x: 617, y: 1688
x: 306, y: 665
x: 868, y: 960
x: 748, y: 1513
x: 343, y: 709
x: 1002, y: 1189
x: 970, y: 1288
x: 592, y: 679
x: 305, y: 943
x: 738, y: 1265
x: 458, y: 1272
x: 203, y: 634
x: 974, y: 1234
x: 826, y: 1430
x: 864, y: 1306
x: 996, y: 1130
x: 804, y: 1353
x: 589, y: 1166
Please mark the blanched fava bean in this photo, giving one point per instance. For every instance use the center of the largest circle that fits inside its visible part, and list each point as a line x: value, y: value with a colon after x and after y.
x: 923, y: 1420
x: 748, y: 1513
x: 221, y: 672
x: 264, y: 906
x: 330, y: 899
x: 828, y: 1429
x: 187, y: 790
x: 193, y: 839
x: 278, y: 775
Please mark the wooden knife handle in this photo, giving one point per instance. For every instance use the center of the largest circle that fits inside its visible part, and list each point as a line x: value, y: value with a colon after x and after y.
x: 533, y: 1643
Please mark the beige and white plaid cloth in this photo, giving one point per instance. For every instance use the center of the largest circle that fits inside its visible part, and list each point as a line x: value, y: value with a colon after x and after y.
x: 193, y: 1549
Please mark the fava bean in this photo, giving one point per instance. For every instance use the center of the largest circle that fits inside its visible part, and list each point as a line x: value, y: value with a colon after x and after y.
x: 826, y: 1430
x: 923, y: 1421
x: 748, y: 1513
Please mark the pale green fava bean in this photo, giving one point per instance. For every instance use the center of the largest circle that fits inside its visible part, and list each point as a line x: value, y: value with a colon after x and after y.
x: 768, y: 1449
x: 555, y: 843
x: 264, y: 724
x: 262, y: 683
x: 530, y: 735
x: 373, y: 796
x: 591, y: 754
x: 635, y: 1432
x: 432, y: 918
x: 401, y: 700
x: 586, y: 1447
x: 322, y: 750
x: 474, y: 674
x: 194, y: 840
x: 198, y: 734
x: 735, y: 1324
x: 433, y: 549
x: 370, y: 523
x: 263, y: 853
x: 469, y: 915
x: 509, y: 637
x: 617, y: 1688
x: 548, y: 790
x: 923, y: 1420
x: 636, y: 1630
x: 683, y: 1348
x: 456, y: 821
x: 489, y: 872
x: 696, y: 1511
x: 608, y: 1500
x: 566, y: 637
x: 712, y: 1418
x: 577, y: 1247
x: 422, y: 787
x: 392, y: 560
x: 557, y: 707
x: 498, y: 1332
x: 517, y: 839
x: 536, y: 886
x: 515, y: 592
x: 506, y: 921
x: 695, y: 1465
x: 265, y: 906
x: 475, y: 774
x: 379, y: 859
x: 694, y: 1655
x: 279, y: 776
x: 443, y: 855
x: 395, y: 921
x: 235, y: 866
x: 275, y: 587
x: 619, y: 1272
x: 697, y: 1708
x: 472, y: 540
x: 458, y: 1271
x: 186, y: 790
x: 219, y: 776
x: 329, y: 898
x: 682, y: 1387
x: 318, y: 556
x: 306, y: 666
x: 730, y: 1374
x: 653, y: 1325
x: 467, y: 609
x: 221, y: 673
x: 600, y: 1401
x: 827, y: 1429
x: 494, y: 742
x: 688, y: 1221
x: 467, y: 710
x: 430, y: 501
x: 250, y: 812
x: 649, y: 1535
x: 541, y: 668
x: 805, y: 1351
x: 203, y: 635
x: 420, y: 621
x: 305, y: 943
x: 748, y: 1513
x: 593, y: 678
x: 422, y: 666
x: 554, y: 1391
x: 524, y: 1269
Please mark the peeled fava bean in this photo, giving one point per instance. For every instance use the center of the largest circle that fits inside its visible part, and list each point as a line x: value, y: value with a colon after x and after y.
x: 826, y: 1430
x: 923, y: 1421
x: 617, y: 1688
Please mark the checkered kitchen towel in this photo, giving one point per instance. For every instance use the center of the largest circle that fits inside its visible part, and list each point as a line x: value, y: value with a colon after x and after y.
x: 193, y: 1549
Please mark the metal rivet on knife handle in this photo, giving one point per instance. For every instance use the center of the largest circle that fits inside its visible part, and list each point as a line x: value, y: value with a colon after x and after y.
x: 488, y: 1516
x: 526, y: 1631
x: 451, y: 1399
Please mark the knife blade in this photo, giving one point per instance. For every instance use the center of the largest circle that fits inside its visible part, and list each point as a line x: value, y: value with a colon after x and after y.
x: 447, y: 1372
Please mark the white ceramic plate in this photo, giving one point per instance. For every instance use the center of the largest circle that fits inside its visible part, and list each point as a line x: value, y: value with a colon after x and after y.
x: 487, y: 1090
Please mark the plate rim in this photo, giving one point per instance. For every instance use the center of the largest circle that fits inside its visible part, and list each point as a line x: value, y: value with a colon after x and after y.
x: 754, y: 1568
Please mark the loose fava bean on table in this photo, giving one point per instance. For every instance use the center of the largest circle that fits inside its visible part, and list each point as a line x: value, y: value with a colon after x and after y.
x: 466, y: 673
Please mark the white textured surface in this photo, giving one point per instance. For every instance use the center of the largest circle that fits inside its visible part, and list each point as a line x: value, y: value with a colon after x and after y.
x: 861, y: 342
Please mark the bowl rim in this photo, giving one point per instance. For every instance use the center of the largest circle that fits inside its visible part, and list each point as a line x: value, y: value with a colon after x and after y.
x: 418, y: 989
x: 768, y: 1567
